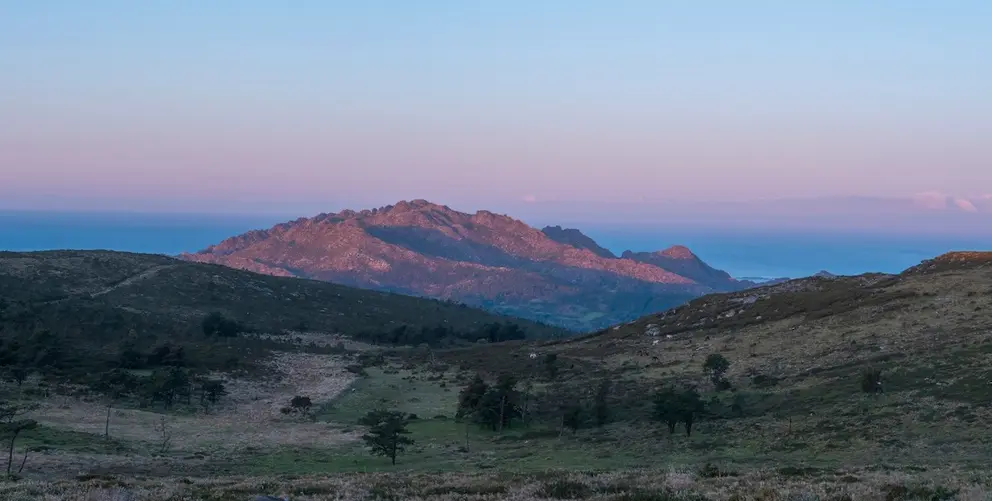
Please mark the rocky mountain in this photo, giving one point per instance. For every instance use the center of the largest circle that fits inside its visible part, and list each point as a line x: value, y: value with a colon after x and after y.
x: 577, y: 239
x: 679, y: 259
x: 483, y: 259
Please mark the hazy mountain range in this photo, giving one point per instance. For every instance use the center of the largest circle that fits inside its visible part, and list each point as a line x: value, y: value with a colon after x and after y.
x: 555, y: 275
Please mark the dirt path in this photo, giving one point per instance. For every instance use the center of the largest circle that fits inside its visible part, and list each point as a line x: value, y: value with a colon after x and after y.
x: 150, y: 272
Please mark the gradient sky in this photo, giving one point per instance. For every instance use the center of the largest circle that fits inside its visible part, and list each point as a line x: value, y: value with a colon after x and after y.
x: 255, y: 105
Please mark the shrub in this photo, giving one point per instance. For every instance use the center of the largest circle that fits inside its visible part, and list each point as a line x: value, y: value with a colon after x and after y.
x: 356, y: 369
x: 716, y: 366
x: 871, y: 381
x: 216, y: 324
x: 564, y: 489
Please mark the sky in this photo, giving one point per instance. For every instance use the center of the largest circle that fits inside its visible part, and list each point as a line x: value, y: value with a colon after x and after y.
x: 309, y: 106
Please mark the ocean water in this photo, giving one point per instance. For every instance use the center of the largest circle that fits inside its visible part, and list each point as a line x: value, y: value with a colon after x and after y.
x: 774, y: 254
x: 169, y: 234
x: 766, y: 253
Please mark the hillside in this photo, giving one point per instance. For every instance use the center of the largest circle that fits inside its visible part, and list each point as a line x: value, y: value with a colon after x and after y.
x: 789, y: 420
x: 797, y: 355
x: 169, y: 290
x: 483, y: 259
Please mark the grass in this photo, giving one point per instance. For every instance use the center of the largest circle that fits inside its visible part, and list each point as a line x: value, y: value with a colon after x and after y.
x: 646, y: 484
x: 811, y: 435
x: 391, y: 389
x: 46, y: 438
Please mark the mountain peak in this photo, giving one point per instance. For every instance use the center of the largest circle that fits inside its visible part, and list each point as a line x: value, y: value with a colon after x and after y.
x: 577, y: 239
x: 414, y: 205
x: 680, y: 260
x: 677, y: 252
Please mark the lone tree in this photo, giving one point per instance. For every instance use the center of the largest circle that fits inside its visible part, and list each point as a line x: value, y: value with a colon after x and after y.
x: 573, y: 417
x: 471, y: 396
x: 500, y: 405
x: 115, y: 384
x: 716, y: 366
x: 12, y: 425
x: 672, y: 407
x: 387, y: 433
x: 690, y: 407
x: 600, y: 406
x: 551, y: 365
x: 666, y: 408
x: 871, y: 381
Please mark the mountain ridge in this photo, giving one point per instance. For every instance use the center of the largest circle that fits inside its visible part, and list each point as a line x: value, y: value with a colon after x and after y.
x: 484, y: 259
x: 575, y: 238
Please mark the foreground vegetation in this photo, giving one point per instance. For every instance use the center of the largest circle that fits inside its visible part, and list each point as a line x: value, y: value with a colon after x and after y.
x: 885, y: 397
x: 634, y: 485
x: 151, y: 327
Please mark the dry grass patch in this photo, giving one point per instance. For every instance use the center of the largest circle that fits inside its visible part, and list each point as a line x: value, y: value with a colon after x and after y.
x: 646, y: 485
x: 248, y: 417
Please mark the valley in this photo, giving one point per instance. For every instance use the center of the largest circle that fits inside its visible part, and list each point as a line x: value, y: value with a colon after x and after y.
x: 787, y: 417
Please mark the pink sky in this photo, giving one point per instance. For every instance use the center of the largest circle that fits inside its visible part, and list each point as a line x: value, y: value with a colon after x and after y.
x: 150, y: 107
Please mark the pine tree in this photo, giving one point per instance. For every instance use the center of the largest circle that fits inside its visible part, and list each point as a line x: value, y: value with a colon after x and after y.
x: 387, y: 433
x: 666, y: 408
x: 471, y: 396
x: 690, y: 407
x: 601, y: 408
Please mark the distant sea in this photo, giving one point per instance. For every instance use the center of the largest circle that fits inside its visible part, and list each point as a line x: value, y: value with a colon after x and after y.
x: 766, y: 254
x: 169, y: 234
x: 744, y: 254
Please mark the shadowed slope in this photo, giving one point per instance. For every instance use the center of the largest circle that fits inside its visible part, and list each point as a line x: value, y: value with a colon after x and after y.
x: 176, y: 295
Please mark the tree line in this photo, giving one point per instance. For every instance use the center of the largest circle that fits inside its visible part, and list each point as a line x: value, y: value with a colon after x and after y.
x: 442, y: 335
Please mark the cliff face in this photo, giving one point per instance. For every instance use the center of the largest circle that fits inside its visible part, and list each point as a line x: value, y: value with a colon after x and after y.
x: 482, y: 259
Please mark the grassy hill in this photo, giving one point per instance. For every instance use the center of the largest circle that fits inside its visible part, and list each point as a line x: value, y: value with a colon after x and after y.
x: 798, y: 352
x: 178, y: 294
x: 73, y: 315
x: 789, y: 420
